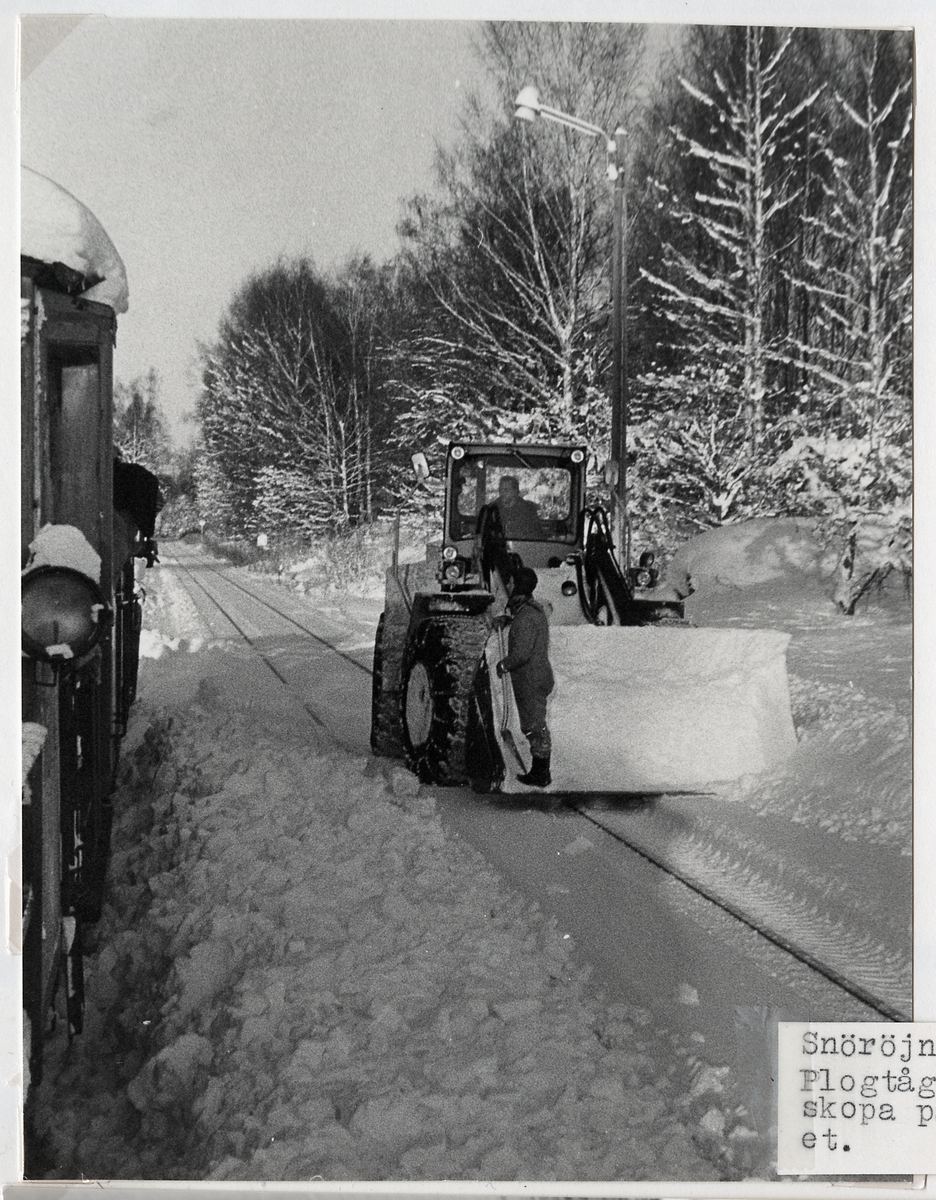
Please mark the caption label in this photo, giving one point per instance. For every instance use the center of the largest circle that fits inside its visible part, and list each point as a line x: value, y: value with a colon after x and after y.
x: 856, y: 1098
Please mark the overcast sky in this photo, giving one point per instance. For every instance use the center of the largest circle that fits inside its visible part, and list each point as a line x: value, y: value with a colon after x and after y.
x: 208, y: 149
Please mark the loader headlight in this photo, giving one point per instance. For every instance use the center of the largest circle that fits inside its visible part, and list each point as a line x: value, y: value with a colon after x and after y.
x: 63, y: 614
x: 449, y: 552
x: 643, y: 579
x: 458, y: 452
x: 578, y: 456
x: 452, y: 572
x: 568, y: 588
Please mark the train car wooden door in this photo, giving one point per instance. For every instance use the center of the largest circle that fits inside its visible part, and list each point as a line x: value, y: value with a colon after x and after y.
x: 67, y: 463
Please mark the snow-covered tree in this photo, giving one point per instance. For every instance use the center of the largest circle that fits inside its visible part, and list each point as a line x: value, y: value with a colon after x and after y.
x: 720, y: 279
x: 289, y: 501
x: 292, y: 384
x: 690, y: 462
x: 140, y: 432
x: 851, y: 464
x: 858, y: 276
x: 214, y: 501
x: 510, y: 267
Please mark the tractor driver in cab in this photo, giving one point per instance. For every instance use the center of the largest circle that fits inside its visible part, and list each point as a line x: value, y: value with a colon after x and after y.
x: 520, y: 518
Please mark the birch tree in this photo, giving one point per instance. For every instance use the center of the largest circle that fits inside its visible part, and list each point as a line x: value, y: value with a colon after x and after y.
x: 287, y: 388
x: 513, y: 262
x: 139, y: 426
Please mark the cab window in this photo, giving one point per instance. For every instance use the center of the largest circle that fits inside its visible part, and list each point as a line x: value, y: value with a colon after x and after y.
x: 534, y: 501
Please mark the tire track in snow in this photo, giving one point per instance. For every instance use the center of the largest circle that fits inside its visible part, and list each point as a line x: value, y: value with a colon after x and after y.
x: 779, y: 917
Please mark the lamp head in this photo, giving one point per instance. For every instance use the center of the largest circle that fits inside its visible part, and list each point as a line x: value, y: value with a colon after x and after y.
x: 528, y: 104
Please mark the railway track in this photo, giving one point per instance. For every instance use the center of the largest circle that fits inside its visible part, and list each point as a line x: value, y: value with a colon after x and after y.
x: 765, y: 899
x: 195, y: 586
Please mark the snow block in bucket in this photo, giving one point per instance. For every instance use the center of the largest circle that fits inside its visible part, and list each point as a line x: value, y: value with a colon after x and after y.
x: 655, y: 710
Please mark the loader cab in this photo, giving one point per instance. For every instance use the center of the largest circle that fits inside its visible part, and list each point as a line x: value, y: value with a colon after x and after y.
x: 532, y: 495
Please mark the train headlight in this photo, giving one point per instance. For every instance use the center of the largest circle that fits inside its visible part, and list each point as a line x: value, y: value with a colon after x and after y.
x: 63, y: 614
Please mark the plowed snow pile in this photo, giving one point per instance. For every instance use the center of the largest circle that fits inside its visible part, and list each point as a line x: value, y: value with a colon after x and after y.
x: 297, y: 975
x: 850, y: 678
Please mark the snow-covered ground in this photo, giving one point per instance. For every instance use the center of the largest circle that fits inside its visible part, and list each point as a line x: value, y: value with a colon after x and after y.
x: 298, y: 975
x: 850, y: 687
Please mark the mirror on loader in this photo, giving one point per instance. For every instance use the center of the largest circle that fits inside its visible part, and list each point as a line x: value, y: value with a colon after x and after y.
x: 420, y: 466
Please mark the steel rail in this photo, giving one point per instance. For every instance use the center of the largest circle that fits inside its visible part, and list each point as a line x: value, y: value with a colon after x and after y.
x: 252, y: 644
x: 279, y: 612
x: 856, y: 990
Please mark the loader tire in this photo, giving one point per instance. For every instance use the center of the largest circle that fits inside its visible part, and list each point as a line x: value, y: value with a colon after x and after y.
x: 440, y: 666
x: 386, y: 737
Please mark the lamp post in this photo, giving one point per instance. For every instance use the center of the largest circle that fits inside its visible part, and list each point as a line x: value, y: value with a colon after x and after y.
x: 528, y: 108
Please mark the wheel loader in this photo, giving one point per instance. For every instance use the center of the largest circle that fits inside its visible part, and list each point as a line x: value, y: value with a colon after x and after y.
x: 643, y: 702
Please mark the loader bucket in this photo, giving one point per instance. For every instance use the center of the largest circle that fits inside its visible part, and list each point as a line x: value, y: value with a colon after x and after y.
x: 645, y: 710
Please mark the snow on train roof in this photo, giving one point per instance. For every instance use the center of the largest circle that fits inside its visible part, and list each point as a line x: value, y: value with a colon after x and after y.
x: 58, y: 228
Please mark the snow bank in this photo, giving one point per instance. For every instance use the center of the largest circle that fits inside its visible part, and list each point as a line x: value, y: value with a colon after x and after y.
x: 298, y: 975
x: 58, y: 228
x: 751, y: 552
x: 851, y: 774
x: 850, y: 677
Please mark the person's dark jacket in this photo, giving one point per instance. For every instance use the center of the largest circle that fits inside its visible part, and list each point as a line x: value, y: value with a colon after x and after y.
x: 137, y: 492
x: 528, y: 660
x: 138, y: 500
x: 521, y: 520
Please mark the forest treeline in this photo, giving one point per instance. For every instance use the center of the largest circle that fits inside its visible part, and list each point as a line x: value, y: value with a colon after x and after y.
x: 769, y: 268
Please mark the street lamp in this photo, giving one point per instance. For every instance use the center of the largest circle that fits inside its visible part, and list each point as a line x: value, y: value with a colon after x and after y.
x: 528, y: 108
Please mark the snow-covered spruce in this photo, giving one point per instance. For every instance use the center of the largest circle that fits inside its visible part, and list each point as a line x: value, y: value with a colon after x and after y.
x: 297, y: 975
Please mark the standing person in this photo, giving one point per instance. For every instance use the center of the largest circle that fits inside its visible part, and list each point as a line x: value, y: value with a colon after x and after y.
x: 527, y: 662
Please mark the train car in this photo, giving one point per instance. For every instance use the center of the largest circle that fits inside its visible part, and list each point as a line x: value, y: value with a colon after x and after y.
x: 81, y: 606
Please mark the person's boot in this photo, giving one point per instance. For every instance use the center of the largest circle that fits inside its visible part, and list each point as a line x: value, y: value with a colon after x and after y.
x: 538, y: 774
